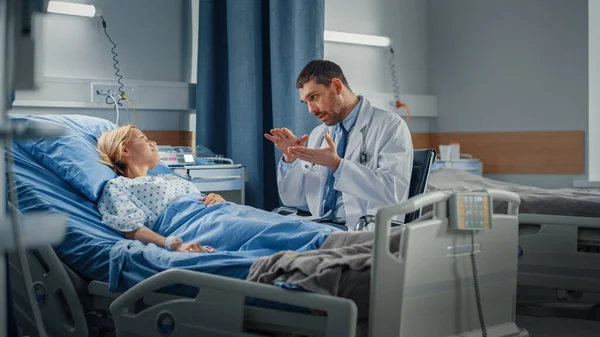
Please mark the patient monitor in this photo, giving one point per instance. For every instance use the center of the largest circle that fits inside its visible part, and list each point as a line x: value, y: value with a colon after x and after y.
x: 212, y: 174
x: 175, y: 156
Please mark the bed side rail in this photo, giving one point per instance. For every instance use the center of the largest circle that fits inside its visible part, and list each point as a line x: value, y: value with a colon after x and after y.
x: 384, y: 316
x: 574, y: 221
x: 218, y: 308
x: 437, y: 198
x: 59, y: 304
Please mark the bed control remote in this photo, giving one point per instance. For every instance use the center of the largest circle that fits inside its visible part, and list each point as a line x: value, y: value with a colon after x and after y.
x: 470, y: 211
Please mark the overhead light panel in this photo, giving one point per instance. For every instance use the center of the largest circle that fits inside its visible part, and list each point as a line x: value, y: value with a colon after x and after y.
x: 367, y: 40
x: 69, y: 8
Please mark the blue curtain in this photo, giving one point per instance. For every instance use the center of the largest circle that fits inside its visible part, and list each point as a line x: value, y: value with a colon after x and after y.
x: 249, y: 55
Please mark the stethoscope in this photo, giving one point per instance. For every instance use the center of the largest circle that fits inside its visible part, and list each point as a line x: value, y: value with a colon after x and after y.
x: 362, y: 158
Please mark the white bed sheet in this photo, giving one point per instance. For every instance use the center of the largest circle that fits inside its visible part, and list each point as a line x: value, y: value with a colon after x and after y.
x: 534, y: 200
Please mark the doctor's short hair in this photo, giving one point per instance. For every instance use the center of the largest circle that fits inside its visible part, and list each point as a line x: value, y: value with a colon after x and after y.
x: 323, y: 72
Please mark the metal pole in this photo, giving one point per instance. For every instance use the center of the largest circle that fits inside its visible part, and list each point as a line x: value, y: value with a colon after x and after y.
x: 6, y: 56
x: 17, y: 71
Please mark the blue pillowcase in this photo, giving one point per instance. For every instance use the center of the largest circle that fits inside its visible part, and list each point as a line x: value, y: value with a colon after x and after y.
x: 73, y: 156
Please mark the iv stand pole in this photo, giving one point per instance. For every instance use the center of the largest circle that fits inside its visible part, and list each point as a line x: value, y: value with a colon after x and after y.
x: 6, y: 34
x: 17, y: 72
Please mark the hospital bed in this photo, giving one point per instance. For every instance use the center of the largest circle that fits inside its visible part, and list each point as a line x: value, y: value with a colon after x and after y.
x: 432, y: 279
x: 559, y: 234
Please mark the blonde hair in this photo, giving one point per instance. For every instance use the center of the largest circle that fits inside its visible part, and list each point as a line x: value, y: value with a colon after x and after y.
x: 111, y: 145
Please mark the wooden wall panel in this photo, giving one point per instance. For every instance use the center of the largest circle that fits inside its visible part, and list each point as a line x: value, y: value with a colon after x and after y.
x: 552, y: 152
x: 523, y: 152
x: 423, y: 140
x: 179, y: 138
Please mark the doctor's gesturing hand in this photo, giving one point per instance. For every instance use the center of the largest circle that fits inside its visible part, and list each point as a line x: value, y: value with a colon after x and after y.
x: 326, y: 156
x: 284, y: 138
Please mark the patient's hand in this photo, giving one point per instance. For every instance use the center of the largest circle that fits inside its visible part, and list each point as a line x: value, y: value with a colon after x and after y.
x: 212, y: 199
x: 189, y: 248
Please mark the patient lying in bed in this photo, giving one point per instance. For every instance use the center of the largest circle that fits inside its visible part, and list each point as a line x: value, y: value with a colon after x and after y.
x: 134, y: 200
x: 130, y: 205
x: 135, y: 203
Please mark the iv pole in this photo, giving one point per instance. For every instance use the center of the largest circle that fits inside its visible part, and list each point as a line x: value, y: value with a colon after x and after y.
x: 6, y: 23
x: 3, y: 90
x: 18, y: 72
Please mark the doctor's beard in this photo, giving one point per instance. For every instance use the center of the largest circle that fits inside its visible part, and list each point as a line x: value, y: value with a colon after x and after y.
x: 337, y: 109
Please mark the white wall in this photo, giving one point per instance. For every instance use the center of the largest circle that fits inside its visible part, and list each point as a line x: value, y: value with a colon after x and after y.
x: 153, y: 44
x: 195, y: 4
x: 148, y: 33
x: 366, y: 68
x: 147, y: 120
x: 594, y: 91
x: 510, y: 65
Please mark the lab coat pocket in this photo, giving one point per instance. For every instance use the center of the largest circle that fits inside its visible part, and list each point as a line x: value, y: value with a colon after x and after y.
x: 308, y: 167
x: 372, y: 162
x: 311, y: 172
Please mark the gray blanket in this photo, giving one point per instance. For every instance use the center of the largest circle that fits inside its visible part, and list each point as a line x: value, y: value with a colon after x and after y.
x: 341, y: 267
x: 564, y: 201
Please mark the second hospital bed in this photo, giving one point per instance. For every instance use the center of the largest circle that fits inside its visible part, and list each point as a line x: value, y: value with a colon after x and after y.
x: 88, y: 284
x: 559, y: 234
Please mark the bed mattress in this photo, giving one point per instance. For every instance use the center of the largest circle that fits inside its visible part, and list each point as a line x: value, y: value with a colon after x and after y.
x: 564, y: 201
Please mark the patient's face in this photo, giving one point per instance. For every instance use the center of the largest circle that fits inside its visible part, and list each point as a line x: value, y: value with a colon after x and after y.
x: 140, y: 151
x: 325, y: 102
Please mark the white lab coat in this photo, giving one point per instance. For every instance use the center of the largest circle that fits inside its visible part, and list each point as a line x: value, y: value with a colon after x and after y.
x: 382, y: 181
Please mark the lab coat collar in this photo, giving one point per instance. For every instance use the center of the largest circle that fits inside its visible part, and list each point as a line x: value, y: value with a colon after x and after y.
x: 364, y: 116
x: 350, y: 120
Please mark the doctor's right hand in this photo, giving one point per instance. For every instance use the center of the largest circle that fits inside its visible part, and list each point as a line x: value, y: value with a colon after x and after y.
x: 284, y: 138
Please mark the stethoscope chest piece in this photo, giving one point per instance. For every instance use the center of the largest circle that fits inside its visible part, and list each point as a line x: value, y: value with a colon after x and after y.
x: 363, y: 157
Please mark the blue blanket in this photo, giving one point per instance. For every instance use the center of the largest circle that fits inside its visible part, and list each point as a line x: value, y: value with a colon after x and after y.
x: 62, y: 174
x: 240, y: 235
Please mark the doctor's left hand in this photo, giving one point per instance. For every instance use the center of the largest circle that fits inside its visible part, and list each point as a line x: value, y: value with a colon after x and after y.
x: 212, y: 199
x: 326, y: 156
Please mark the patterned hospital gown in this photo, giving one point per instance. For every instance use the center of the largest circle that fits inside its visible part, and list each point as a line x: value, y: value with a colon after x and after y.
x: 128, y: 204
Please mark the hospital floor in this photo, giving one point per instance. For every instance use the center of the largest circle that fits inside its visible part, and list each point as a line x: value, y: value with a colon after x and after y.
x: 558, y: 327
x: 552, y: 323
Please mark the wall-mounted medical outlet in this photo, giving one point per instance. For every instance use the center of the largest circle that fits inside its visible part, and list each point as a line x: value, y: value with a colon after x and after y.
x: 99, y: 92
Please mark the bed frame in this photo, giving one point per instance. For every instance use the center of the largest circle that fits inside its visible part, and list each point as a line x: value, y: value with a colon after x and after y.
x: 430, y: 281
x: 561, y: 254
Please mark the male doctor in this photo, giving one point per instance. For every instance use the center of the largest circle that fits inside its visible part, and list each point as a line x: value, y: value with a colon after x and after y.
x: 358, y: 161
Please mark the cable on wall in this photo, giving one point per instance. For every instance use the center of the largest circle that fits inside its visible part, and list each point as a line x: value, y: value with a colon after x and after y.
x: 116, y: 105
x: 116, y: 62
x: 121, y: 94
x: 399, y: 104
